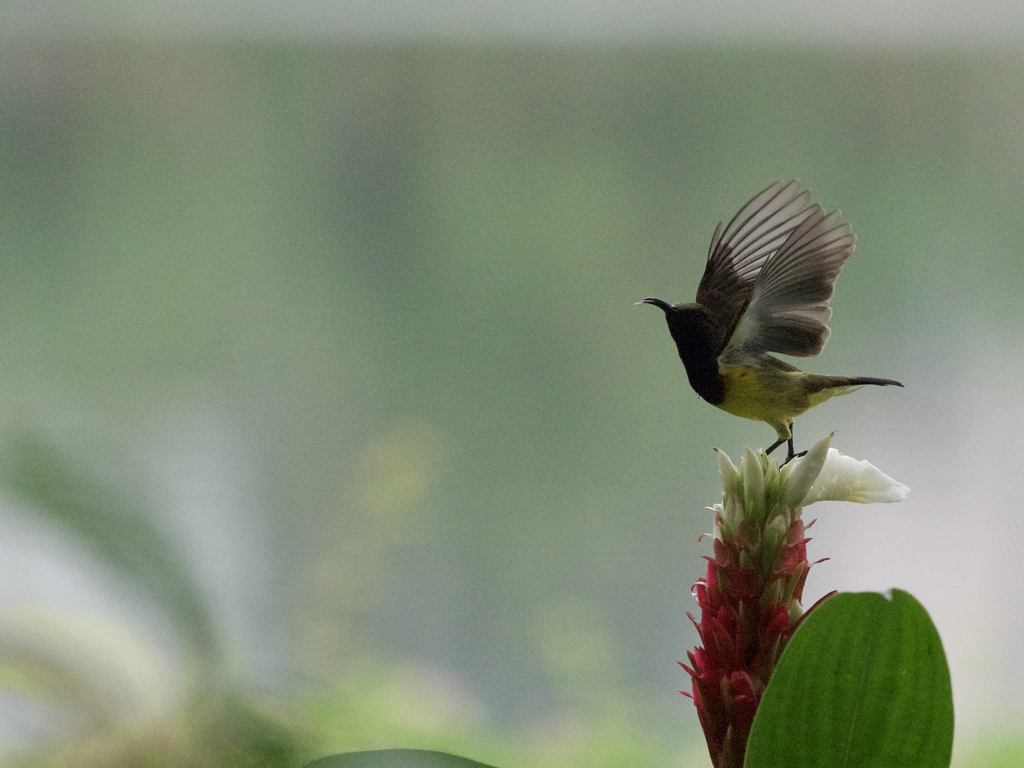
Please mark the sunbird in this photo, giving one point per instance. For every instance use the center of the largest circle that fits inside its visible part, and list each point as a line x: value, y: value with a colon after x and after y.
x: 766, y: 288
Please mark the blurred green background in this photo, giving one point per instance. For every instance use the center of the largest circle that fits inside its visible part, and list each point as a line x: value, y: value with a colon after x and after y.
x: 329, y: 421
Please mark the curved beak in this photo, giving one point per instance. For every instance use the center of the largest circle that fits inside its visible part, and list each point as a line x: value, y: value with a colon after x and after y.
x: 662, y: 305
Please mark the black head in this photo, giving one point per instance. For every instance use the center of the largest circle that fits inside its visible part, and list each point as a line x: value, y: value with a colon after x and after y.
x: 691, y: 330
x: 690, y: 326
x: 684, y: 320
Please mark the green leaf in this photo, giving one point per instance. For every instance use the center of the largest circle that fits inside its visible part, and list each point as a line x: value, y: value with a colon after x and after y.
x: 396, y: 758
x: 862, y: 683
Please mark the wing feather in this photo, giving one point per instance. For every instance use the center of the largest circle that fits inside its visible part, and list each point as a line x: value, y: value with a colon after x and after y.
x: 788, y: 310
x: 740, y: 250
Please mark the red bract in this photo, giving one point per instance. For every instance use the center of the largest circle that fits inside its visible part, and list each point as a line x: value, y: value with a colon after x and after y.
x: 745, y: 623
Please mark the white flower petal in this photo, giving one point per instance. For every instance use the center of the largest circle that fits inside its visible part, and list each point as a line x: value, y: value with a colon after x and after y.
x: 800, y: 474
x: 727, y: 468
x: 753, y: 486
x: 843, y: 478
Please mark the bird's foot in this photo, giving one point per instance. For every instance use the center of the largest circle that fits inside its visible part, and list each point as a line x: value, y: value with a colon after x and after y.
x: 791, y: 457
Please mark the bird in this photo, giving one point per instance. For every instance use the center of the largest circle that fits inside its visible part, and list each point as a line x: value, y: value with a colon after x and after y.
x: 766, y: 288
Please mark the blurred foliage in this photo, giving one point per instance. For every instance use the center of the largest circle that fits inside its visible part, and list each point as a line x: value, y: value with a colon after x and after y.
x: 994, y: 750
x: 119, y: 533
x: 405, y: 707
x: 215, y: 723
x: 91, y: 675
x: 396, y: 758
x: 213, y: 732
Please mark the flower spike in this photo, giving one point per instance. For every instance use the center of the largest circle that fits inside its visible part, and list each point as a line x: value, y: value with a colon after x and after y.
x: 750, y: 597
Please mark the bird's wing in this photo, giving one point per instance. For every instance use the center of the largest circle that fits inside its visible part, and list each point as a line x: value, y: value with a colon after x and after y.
x: 788, y: 310
x: 740, y: 251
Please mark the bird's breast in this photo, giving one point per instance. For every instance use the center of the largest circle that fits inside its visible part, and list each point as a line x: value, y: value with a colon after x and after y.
x: 705, y: 379
x: 763, y: 394
x: 743, y: 393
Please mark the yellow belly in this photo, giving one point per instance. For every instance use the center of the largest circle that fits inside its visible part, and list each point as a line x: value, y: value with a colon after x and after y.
x: 771, y: 395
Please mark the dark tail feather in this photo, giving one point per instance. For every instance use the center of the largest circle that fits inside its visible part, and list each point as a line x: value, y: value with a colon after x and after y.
x: 868, y: 380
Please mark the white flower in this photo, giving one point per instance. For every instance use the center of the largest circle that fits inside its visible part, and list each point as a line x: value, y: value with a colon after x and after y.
x: 825, y: 474
x: 843, y: 478
x: 759, y: 491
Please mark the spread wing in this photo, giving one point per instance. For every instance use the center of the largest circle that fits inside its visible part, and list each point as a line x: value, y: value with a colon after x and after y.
x: 788, y: 309
x: 739, y: 252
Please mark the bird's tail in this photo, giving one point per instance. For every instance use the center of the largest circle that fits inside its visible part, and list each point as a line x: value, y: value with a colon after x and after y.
x: 858, y: 380
x: 821, y: 388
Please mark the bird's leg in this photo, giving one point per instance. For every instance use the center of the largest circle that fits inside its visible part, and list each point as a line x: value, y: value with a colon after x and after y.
x: 792, y: 455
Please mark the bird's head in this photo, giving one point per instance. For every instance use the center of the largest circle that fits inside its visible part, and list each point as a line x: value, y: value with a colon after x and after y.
x: 690, y: 314
x: 690, y: 323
